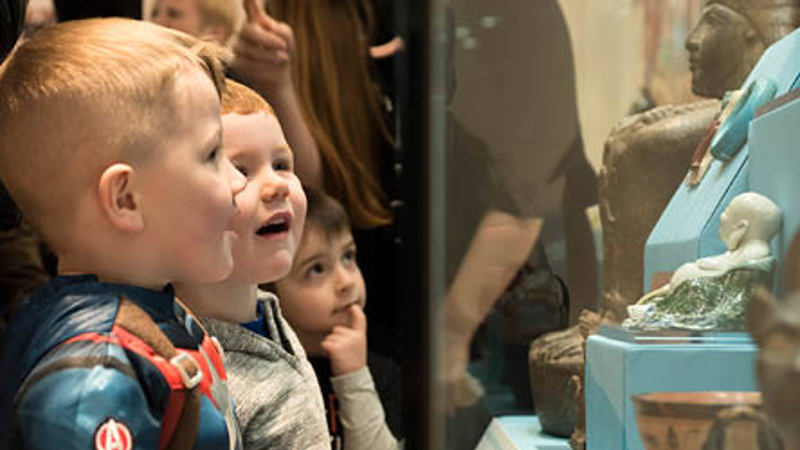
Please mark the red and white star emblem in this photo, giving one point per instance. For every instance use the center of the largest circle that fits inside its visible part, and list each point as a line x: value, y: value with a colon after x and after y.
x: 113, y: 435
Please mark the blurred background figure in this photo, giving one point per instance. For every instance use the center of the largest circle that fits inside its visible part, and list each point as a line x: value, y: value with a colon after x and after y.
x: 215, y: 19
x: 21, y: 267
x: 12, y: 16
x: 39, y: 14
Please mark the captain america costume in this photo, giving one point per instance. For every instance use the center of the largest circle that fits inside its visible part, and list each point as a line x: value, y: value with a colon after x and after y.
x: 75, y: 377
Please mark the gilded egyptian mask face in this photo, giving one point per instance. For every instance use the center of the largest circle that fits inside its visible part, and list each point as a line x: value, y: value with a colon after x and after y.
x: 721, y: 50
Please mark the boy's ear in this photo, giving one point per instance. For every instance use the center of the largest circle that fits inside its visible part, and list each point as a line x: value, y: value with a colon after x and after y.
x: 119, y: 199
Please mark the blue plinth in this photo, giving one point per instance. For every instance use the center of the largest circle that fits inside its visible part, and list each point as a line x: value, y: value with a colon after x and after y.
x: 620, y: 364
x: 775, y: 167
x: 688, y: 228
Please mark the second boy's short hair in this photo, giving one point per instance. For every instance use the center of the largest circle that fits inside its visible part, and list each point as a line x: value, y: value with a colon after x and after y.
x: 325, y: 214
x: 83, y: 94
x: 240, y: 99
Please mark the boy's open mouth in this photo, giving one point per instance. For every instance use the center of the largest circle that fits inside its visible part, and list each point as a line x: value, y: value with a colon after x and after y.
x: 276, y: 225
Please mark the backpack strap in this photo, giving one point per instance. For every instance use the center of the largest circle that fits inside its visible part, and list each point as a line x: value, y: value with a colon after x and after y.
x: 138, y: 332
x: 135, y: 331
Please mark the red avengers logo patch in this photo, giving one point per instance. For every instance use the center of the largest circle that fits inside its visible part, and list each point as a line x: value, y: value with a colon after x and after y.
x: 113, y: 435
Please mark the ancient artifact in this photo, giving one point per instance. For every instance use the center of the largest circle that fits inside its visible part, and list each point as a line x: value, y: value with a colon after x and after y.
x: 684, y: 420
x: 554, y: 359
x: 712, y: 293
x: 577, y: 441
x: 647, y: 155
x: 775, y: 327
x: 728, y: 133
x: 555, y: 367
x: 632, y: 197
x: 742, y: 428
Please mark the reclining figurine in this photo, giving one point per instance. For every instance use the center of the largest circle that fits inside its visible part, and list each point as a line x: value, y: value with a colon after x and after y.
x: 712, y: 293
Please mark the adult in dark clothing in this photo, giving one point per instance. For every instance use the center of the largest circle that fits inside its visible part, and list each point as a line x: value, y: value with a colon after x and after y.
x: 516, y: 92
x: 21, y: 267
x: 12, y: 22
x: 517, y: 179
x: 12, y: 19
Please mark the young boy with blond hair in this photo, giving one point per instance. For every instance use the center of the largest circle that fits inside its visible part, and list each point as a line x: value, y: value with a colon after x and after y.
x: 276, y: 392
x: 110, y: 143
x: 323, y: 299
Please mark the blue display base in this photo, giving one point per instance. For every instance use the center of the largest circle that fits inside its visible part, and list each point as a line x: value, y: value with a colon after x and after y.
x: 688, y: 228
x: 620, y: 364
x: 774, y: 165
x: 519, y: 432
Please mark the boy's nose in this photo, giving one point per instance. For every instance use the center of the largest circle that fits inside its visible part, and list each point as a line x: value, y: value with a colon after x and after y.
x: 275, y: 189
x: 345, y: 280
x: 235, y: 178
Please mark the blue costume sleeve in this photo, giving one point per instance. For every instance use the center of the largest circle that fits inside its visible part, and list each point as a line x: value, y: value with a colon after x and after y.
x: 83, y: 405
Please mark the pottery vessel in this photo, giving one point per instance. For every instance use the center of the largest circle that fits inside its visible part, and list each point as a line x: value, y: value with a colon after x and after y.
x: 683, y: 420
x: 553, y: 361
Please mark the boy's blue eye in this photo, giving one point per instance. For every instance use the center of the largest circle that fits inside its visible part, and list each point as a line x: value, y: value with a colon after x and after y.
x: 349, y: 255
x: 214, y: 155
x: 316, y: 269
x: 282, y: 165
x: 174, y: 13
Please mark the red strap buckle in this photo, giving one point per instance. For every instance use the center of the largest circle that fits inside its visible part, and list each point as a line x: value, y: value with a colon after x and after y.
x: 189, y: 381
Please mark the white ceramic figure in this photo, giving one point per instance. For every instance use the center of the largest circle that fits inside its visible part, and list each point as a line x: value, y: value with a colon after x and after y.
x: 747, y: 225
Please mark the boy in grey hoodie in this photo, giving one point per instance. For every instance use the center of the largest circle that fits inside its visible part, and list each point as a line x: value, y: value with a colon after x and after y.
x: 273, y: 385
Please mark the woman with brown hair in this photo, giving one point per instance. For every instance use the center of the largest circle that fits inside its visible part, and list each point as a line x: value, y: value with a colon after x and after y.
x: 325, y: 47
x: 343, y: 105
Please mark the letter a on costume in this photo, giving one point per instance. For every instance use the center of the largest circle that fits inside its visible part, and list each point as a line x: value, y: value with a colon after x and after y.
x: 113, y: 435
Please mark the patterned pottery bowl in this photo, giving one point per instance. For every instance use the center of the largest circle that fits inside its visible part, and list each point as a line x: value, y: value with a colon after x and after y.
x: 682, y: 420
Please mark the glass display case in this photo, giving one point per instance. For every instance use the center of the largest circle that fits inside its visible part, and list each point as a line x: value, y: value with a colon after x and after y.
x: 569, y: 163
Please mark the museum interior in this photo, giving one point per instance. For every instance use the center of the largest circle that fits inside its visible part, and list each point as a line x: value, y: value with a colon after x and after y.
x: 573, y: 219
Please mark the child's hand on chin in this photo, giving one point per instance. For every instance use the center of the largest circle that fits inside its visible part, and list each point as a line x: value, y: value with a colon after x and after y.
x: 347, y: 346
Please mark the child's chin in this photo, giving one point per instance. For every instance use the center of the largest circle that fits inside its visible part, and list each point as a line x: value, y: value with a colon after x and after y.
x: 213, y: 275
x: 278, y: 268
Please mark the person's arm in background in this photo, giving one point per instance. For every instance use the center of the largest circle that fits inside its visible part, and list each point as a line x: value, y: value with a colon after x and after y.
x: 262, y: 57
x: 501, y: 244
